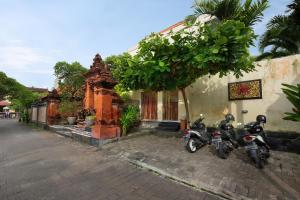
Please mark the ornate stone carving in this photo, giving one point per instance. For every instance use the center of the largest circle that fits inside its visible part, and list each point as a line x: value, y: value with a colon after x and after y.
x: 99, y: 74
x: 99, y: 95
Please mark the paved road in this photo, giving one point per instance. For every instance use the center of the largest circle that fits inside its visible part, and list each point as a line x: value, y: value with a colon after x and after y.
x: 39, y: 165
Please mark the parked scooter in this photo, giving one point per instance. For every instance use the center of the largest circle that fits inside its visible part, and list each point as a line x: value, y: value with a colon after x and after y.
x: 254, y: 140
x: 197, y: 136
x: 223, y: 138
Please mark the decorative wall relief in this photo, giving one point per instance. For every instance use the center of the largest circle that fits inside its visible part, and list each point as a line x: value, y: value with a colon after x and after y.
x: 245, y: 90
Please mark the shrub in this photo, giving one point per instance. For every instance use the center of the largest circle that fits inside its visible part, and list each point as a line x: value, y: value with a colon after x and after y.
x: 69, y: 108
x: 25, y: 116
x: 129, y: 117
x: 292, y: 93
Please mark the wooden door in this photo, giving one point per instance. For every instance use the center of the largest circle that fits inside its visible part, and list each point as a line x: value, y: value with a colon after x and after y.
x: 170, y: 105
x: 149, y: 105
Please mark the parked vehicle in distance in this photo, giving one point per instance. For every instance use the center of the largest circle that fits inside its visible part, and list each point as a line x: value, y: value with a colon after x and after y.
x: 197, y: 136
x: 254, y: 141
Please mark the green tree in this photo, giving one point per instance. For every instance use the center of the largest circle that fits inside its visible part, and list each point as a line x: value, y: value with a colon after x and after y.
x: 174, y: 62
x: 282, y: 36
x: 292, y: 93
x: 70, y: 79
x: 20, y: 96
x: 249, y: 12
x: 121, y: 62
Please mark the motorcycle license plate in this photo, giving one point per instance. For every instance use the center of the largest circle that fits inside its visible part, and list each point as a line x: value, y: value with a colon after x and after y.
x: 216, y: 140
x: 251, y: 147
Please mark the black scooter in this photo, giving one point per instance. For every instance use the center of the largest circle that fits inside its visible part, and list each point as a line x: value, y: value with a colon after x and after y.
x: 223, y: 139
x: 253, y: 138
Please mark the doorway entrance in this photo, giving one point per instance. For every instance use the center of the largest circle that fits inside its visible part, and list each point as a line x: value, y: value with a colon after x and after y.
x: 170, y: 105
x: 149, y: 105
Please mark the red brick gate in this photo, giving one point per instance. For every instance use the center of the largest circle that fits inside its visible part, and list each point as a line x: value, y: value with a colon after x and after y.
x: 100, y: 96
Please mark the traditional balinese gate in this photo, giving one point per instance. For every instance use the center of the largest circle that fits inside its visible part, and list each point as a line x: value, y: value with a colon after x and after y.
x: 53, y: 105
x: 149, y: 105
x: 100, y: 96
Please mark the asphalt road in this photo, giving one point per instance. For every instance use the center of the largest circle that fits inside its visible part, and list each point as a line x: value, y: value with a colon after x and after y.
x: 39, y: 165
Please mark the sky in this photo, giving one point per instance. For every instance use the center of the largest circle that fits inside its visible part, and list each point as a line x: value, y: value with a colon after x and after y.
x: 36, y: 34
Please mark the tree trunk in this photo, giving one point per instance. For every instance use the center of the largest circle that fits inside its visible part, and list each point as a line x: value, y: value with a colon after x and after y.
x: 187, y: 112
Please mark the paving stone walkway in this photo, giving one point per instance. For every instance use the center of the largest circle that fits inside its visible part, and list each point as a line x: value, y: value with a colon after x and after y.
x: 235, y: 177
x: 40, y: 165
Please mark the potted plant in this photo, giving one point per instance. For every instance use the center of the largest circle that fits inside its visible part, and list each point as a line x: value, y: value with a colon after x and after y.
x: 90, y: 117
x: 69, y: 110
x: 90, y: 120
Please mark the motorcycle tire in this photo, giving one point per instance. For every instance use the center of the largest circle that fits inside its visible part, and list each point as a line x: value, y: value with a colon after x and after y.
x: 223, y: 151
x: 191, y: 145
x: 265, y: 151
x: 259, y: 161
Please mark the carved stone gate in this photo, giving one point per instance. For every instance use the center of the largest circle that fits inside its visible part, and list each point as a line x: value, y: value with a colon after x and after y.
x: 100, y: 96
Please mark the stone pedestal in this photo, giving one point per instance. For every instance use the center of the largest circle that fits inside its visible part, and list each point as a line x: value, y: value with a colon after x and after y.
x: 100, y: 96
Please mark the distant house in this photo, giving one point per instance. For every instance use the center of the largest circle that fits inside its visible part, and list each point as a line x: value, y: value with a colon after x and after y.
x: 4, y: 104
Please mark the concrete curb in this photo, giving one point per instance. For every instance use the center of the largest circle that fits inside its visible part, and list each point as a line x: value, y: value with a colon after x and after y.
x: 70, y: 134
x: 162, y: 173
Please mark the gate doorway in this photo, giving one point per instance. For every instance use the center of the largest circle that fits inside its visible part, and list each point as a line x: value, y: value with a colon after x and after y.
x: 170, y: 105
x: 149, y: 105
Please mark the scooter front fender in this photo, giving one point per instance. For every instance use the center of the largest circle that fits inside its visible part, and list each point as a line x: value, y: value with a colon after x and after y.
x: 193, y: 134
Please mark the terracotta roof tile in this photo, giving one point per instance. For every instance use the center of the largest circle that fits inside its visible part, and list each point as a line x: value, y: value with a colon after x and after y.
x: 4, y: 103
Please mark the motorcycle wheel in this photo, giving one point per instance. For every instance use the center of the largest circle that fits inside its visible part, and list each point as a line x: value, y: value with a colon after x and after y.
x: 223, y: 151
x: 191, y: 145
x: 259, y: 161
x: 265, y: 151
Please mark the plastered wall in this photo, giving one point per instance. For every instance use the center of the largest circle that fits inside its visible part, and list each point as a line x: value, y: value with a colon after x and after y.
x: 210, y: 95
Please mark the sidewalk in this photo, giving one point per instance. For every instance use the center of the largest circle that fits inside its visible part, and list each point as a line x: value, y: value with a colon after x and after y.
x: 235, y: 178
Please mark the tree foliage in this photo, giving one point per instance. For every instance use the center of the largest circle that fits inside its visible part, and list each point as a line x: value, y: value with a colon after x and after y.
x: 70, y: 79
x: 249, y: 12
x: 165, y: 64
x: 20, y: 96
x: 176, y: 61
x: 282, y: 36
x: 292, y: 93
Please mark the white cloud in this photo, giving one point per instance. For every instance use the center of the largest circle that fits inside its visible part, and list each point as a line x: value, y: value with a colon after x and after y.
x: 30, y: 66
x: 20, y: 57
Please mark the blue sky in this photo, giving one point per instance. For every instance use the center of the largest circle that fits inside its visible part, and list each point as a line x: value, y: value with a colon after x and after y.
x: 36, y: 34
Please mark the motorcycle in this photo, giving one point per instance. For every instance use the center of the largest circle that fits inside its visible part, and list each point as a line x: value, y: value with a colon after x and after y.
x: 223, y: 138
x: 254, y: 140
x: 197, y: 136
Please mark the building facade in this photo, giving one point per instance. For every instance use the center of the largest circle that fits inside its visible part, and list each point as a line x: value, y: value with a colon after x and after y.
x: 211, y: 95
